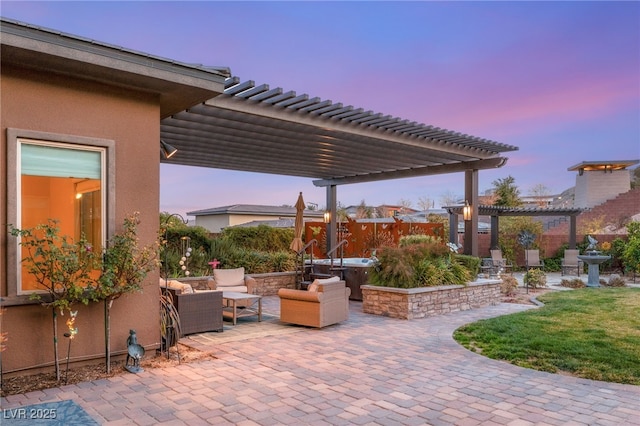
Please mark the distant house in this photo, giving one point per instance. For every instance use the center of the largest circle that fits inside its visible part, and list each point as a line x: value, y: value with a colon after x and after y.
x: 599, y: 181
x: 218, y: 218
x: 384, y: 210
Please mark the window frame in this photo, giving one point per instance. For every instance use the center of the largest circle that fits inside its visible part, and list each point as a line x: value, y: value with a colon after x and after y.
x: 14, y: 137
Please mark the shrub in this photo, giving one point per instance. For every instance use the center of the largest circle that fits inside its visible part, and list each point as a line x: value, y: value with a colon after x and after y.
x: 261, y: 237
x: 553, y: 264
x: 472, y: 263
x: 616, y: 251
x: 282, y: 261
x: 572, y: 283
x: 535, y: 278
x: 508, y: 285
x: 260, y: 249
x: 418, y: 265
x: 406, y: 240
x: 631, y: 253
x: 224, y: 250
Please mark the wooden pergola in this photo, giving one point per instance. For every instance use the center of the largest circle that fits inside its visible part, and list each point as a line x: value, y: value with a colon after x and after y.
x: 497, y: 211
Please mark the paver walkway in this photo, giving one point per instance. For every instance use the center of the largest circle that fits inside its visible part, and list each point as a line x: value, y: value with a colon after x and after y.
x: 369, y: 370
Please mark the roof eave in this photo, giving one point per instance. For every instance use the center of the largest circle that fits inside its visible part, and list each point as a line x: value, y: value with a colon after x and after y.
x: 177, y: 85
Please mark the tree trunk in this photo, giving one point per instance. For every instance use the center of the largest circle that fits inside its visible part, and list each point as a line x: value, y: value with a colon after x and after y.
x: 55, y: 343
x: 107, y: 332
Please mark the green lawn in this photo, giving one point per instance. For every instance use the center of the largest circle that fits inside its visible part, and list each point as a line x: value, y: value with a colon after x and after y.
x: 589, y: 333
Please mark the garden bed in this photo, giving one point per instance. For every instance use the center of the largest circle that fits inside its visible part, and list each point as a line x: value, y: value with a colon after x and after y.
x: 411, y: 303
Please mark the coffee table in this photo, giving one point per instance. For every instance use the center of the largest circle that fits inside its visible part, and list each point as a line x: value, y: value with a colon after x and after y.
x: 237, y: 305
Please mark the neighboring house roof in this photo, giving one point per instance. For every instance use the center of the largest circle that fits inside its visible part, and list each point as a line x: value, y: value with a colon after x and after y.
x: 253, y: 209
x: 603, y: 165
x: 276, y: 223
x: 178, y: 85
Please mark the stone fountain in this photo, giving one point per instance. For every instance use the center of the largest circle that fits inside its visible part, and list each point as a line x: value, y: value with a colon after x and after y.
x: 593, y: 259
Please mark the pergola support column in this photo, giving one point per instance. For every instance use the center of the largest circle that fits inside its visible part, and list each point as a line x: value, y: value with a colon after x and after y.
x: 332, y: 208
x: 471, y: 226
x: 453, y: 227
x: 572, y: 232
x: 495, y: 223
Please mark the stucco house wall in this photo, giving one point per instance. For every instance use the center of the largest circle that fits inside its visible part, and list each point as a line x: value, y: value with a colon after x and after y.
x: 56, y: 105
x: 59, y: 88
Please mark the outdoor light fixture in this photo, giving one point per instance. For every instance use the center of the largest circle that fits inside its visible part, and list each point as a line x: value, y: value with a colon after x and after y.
x: 466, y: 211
x: 327, y: 216
x: 167, y: 150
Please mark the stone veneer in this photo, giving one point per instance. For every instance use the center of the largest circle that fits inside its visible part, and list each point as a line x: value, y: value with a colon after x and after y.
x: 410, y: 303
x: 266, y: 284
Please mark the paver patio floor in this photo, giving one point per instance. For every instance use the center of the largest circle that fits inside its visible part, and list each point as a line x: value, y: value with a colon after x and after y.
x: 369, y: 370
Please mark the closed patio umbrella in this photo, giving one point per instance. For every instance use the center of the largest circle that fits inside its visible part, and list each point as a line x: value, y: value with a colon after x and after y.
x: 297, y: 244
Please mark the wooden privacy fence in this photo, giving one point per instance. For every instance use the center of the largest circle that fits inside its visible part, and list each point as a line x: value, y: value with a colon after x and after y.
x: 365, y: 236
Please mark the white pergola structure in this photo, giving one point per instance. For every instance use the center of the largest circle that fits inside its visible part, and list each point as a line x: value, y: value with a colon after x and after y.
x: 254, y: 128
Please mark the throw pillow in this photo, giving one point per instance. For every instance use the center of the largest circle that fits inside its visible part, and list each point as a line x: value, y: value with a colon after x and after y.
x: 326, y: 280
x: 182, y: 287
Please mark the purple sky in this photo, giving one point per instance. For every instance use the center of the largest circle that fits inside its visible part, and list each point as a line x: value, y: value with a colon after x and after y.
x: 559, y: 80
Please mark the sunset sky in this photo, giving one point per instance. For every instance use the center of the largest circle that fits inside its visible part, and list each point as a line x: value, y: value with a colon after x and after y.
x: 559, y: 80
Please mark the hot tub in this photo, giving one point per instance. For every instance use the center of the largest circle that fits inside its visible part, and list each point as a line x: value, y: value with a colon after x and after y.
x: 355, y: 272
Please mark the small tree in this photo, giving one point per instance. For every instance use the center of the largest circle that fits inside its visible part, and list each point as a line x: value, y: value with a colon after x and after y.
x: 448, y: 198
x: 540, y: 190
x: 125, y: 265
x: 363, y: 211
x: 507, y: 192
x: 514, y: 226
x: 62, y: 268
x: 405, y: 205
x: 425, y: 203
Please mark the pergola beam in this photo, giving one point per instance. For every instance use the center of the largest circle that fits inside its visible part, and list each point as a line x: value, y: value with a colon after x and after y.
x: 416, y: 172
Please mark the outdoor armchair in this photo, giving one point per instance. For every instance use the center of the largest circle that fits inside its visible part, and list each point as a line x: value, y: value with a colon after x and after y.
x: 533, y: 259
x: 499, y: 262
x: 570, y: 261
x: 232, y: 280
x: 325, y: 303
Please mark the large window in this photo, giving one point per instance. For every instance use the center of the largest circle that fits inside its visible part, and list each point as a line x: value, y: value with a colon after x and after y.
x: 64, y: 181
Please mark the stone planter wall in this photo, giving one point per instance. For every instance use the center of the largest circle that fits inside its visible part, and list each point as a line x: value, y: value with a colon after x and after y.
x: 266, y: 284
x: 428, y: 301
x: 269, y: 284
